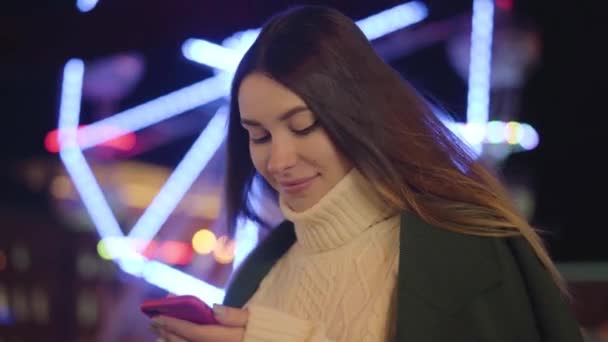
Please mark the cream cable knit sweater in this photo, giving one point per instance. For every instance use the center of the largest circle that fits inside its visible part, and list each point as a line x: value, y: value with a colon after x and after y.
x: 337, y: 282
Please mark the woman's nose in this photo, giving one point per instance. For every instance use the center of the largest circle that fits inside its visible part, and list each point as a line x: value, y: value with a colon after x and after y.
x: 282, y: 157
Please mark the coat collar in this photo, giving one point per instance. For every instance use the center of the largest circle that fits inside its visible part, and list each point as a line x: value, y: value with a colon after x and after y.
x: 439, y: 270
x: 259, y: 262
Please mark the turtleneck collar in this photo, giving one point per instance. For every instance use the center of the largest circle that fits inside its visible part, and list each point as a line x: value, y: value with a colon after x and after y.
x: 348, y: 209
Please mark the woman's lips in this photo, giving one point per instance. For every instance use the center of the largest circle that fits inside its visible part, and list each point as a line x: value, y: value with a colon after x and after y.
x: 297, y: 185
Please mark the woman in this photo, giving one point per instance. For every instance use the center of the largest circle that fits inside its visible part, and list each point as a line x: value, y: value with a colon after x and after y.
x: 393, y: 232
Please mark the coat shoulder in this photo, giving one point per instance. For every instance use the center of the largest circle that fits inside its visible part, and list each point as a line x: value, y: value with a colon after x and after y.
x: 497, y: 287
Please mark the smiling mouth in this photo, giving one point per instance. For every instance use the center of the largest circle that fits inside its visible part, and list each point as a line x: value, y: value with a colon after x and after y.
x: 297, y: 186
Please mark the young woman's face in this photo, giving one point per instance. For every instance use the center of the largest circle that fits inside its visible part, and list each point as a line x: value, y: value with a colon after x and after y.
x: 287, y: 145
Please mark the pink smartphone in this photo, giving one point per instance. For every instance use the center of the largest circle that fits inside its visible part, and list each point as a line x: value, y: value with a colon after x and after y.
x: 185, y: 307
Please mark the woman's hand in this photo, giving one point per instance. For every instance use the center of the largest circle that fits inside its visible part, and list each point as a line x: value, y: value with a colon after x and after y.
x: 231, y: 328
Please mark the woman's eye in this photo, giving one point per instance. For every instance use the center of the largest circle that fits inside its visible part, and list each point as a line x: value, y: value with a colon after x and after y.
x: 260, y: 140
x: 307, y: 129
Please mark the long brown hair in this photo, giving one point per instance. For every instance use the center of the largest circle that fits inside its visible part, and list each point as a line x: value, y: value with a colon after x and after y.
x: 379, y: 122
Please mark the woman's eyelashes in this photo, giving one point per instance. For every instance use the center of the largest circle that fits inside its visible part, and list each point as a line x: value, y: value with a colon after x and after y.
x: 298, y: 132
x: 260, y: 140
x: 306, y: 130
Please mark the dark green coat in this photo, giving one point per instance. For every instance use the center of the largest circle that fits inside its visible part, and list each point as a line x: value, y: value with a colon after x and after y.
x: 451, y: 287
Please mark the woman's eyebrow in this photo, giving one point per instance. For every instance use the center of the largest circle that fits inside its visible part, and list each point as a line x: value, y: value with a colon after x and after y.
x: 288, y: 114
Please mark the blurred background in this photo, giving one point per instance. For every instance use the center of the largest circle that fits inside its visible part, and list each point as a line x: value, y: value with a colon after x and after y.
x: 113, y: 150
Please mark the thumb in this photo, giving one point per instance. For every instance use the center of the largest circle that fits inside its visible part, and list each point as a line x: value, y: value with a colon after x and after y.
x: 232, y: 317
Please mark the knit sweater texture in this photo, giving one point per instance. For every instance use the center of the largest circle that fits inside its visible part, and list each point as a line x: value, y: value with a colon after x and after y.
x: 338, y: 281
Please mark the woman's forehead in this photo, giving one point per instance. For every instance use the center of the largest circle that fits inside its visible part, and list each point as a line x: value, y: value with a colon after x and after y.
x: 262, y: 96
